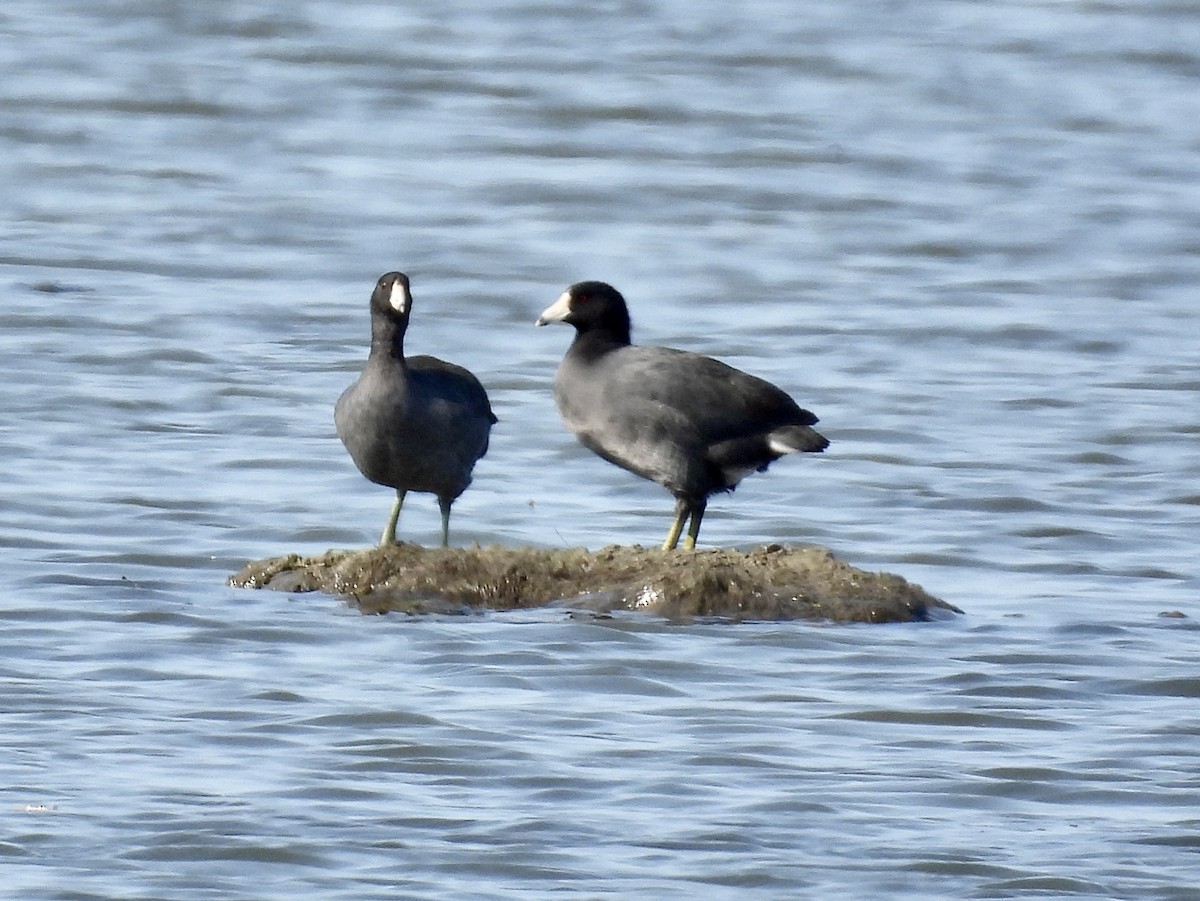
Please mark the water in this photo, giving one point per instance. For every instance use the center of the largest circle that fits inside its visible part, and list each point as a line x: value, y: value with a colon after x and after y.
x: 965, y: 235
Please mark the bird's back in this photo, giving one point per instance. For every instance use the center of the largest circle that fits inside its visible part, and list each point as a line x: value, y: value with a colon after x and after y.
x: 715, y: 400
x: 681, y: 419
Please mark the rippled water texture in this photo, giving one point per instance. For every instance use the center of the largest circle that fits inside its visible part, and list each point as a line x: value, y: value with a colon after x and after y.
x: 966, y: 235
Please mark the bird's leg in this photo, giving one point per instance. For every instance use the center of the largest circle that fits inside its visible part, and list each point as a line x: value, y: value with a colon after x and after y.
x: 444, y: 505
x: 681, y: 513
x: 389, y: 531
x: 689, y: 543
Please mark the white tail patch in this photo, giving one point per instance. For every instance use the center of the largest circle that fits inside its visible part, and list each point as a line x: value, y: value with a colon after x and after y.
x: 779, y: 446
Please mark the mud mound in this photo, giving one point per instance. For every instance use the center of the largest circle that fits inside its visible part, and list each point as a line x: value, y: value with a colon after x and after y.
x: 770, y: 583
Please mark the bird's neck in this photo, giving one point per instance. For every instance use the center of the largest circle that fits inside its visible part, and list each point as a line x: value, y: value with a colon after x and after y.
x: 387, y: 338
x: 595, y: 343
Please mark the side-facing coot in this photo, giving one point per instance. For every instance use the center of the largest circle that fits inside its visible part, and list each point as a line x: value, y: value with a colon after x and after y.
x: 415, y: 423
x: 689, y: 422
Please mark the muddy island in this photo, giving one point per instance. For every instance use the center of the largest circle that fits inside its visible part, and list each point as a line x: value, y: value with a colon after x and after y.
x: 770, y: 583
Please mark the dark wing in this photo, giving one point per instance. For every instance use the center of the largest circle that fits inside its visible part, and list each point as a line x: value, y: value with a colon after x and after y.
x: 453, y: 383
x: 718, y: 401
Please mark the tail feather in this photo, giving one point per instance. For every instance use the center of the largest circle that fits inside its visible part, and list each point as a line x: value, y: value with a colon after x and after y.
x: 797, y: 439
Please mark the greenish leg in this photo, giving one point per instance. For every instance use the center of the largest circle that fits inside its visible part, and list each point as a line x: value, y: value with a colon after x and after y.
x: 689, y: 543
x: 681, y: 514
x: 389, y: 531
x: 444, y: 506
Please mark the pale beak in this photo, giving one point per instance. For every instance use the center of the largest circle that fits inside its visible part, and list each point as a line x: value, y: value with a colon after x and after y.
x: 557, y: 311
x: 399, y: 297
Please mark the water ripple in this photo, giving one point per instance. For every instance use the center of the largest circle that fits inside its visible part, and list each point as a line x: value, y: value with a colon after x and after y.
x: 963, y: 235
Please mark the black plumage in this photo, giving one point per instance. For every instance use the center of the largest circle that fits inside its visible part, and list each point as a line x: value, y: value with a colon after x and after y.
x: 412, y: 423
x: 689, y: 422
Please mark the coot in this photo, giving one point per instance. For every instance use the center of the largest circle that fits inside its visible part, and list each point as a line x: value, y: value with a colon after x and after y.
x: 415, y: 423
x: 689, y: 422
